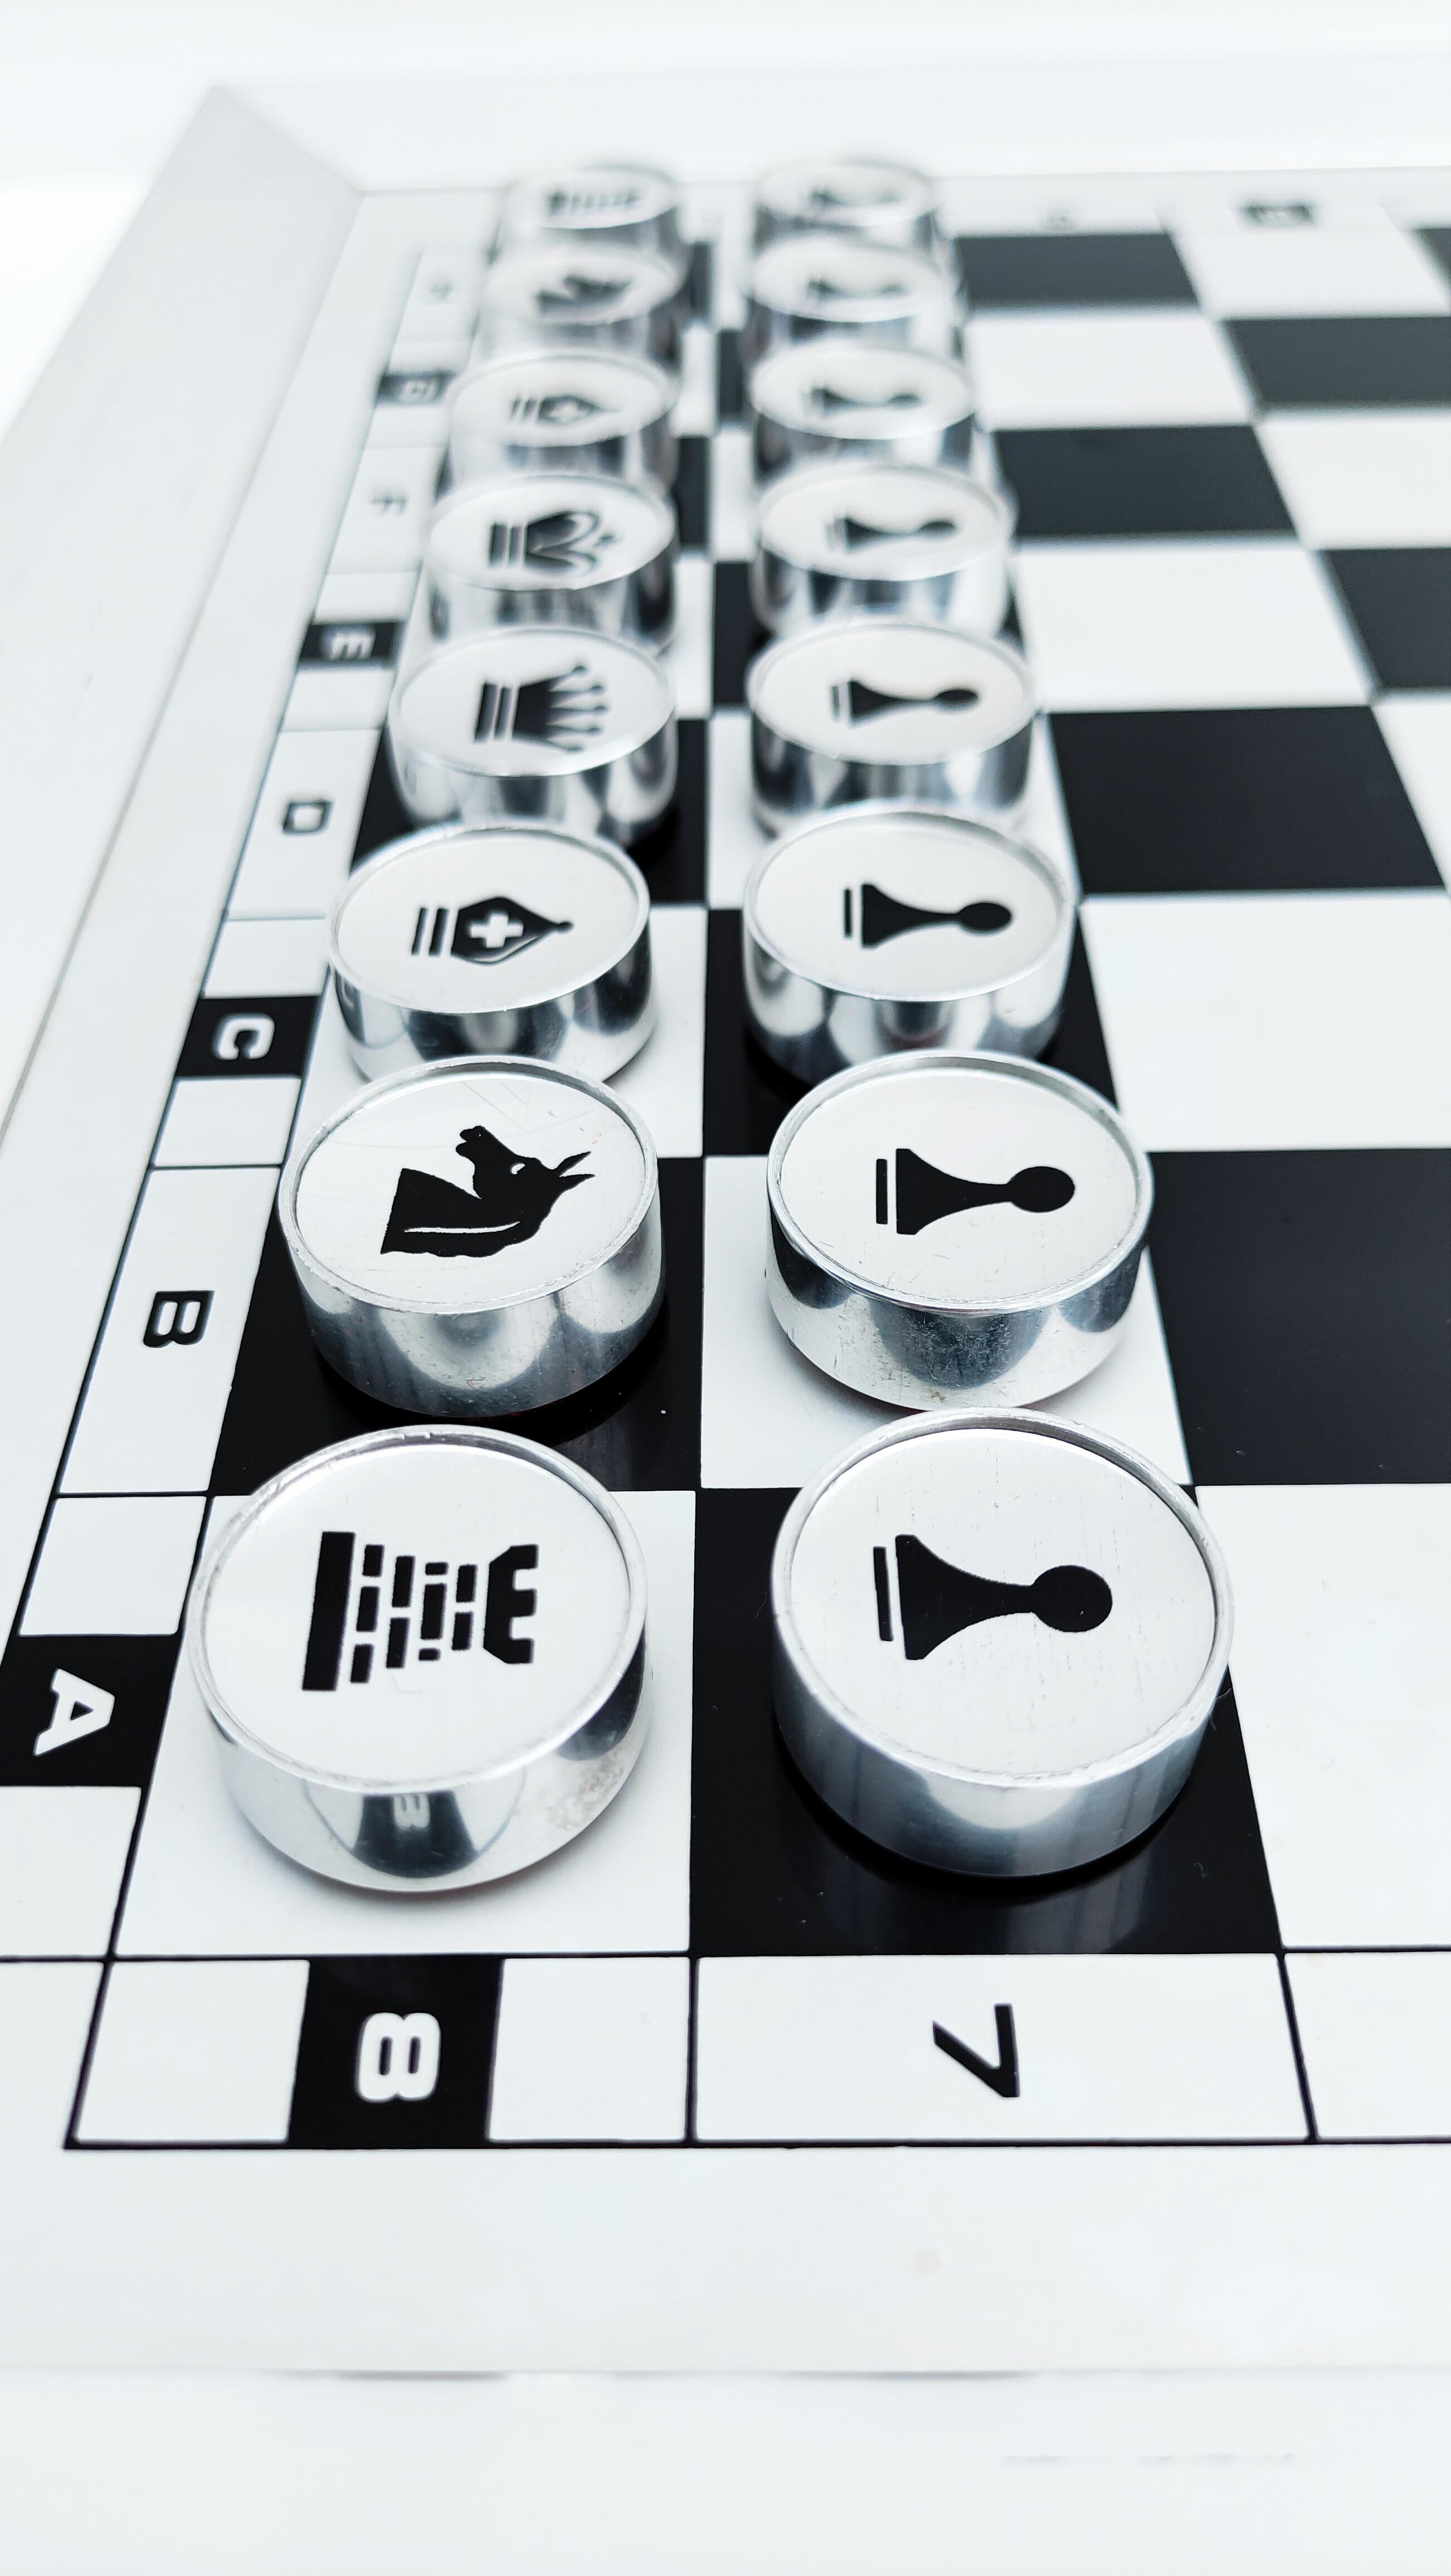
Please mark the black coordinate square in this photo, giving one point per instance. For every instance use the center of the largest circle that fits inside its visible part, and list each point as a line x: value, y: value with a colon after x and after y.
x: 1072, y: 268
x: 83, y: 1711
x: 1142, y: 482
x: 1323, y: 359
x: 774, y: 1873
x: 1400, y: 599
x: 738, y: 637
x: 395, y: 2053
x: 746, y: 1095
x: 1306, y: 1300
x: 1237, y: 800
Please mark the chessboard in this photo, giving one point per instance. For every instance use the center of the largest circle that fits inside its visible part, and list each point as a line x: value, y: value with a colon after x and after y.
x: 688, y: 2110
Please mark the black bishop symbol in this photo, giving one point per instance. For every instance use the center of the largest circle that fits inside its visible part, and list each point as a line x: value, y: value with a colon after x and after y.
x: 556, y: 411
x: 511, y: 1197
x: 827, y: 399
x: 482, y: 933
x: 856, y: 701
x: 576, y: 294
x: 879, y: 917
x: 936, y: 1600
x: 849, y: 533
x: 564, y: 541
x: 566, y: 710
x: 924, y: 1195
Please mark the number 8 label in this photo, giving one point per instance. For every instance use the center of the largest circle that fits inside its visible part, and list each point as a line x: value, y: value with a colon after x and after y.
x: 397, y: 2057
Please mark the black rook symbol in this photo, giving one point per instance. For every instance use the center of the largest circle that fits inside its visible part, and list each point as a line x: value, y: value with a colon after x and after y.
x: 566, y: 710
x: 855, y: 701
x: 376, y: 1601
x: 849, y: 533
x: 565, y: 541
x: 924, y: 1194
x: 827, y: 399
x: 936, y: 1600
x: 881, y: 917
x: 512, y: 1195
x: 483, y: 933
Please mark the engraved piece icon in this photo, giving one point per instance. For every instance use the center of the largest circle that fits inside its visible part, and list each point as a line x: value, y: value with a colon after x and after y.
x: 566, y: 709
x: 856, y: 701
x: 828, y: 400
x: 830, y: 290
x: 512, y: 1195
x: 924, y: 1195
x: 937, y: 1600
x: 371, y: 1614
x: 563, y: 541
x: 574, y: 203
x: 849, y: 533
x: 484, y: 933
x: 878, y: 917
x: 554, y: 411
x: 573, y: 293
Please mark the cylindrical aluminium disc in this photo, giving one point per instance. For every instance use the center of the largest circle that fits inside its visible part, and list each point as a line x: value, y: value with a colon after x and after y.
x: 814, y: 282
x: 584, y: 295
x: 948, y: 1229
x: 481, y: 1237
x: 585, y: 411
x: 552, y: 549
x: 594, y: 202
x: 879, y: 709
x: 423, y: 1653
x: 514, y: 940
x: 873, y: 201
x: 887, y: 929
x: 911, y: 541
x: 536, y: 724
x: 998, y: 1639
x: 848, y: 397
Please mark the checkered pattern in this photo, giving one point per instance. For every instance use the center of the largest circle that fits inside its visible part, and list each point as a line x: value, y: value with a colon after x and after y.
x: 1231, y: 445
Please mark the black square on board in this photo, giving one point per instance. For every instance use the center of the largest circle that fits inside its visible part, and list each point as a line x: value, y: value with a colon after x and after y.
x: 345, y: 2058
x: 1400, y: 599
x: 1237, y: 800
x: 1306, y: 1300
x: 1324, y: 359
x: 383, y: 817
x: 1072, y: 268
x: 774, y: 1873
x: 692, y: 492
x: 1077, y: 1045
x: 673, y: 855
x: 746, y: 1095
x: 738, y: 637
x: 1142, y: 482
x: 638, y: 1429
x: 729, y: 377
x: 1437, y: 238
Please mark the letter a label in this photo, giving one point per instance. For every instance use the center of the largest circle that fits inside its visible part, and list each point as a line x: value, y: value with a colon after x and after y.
x: 77, y: 1708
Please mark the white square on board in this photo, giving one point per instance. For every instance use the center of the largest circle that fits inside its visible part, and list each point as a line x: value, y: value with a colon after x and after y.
x: 1364, y: 478
x: 45, y: 2016
x: 1269, y: 985
x: 695, y: 404
x: 1307, y: 268
x: 308, y: 808
x: 663, y: 1083
x: 1375, y: 2032
x: 1184, y: 622
x: 62, y: 1855
x: 689, y: 658
x: 1104, y: 370
x: 734, y: 839
x: 205, y: 1883
x: 217, y: 1122
x: 732, y: 496
x: 198, y: 2052
x: 591, y: 2049
x: 339, y: 697
x: 114, y: 1566
x: 386, y: 515
x: 768, y: 1417
x: 269, y: 959
x: 1114, y: 2046
x: 1342, y: 1678
x: 1418, y: 729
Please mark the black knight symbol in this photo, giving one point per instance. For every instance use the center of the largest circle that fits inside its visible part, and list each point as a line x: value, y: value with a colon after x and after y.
x: 512, y: 1195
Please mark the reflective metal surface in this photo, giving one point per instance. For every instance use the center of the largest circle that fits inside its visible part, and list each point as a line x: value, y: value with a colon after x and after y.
x: 997, y: 1641
x: 583, y: 411
x: 815, y: 282
x: 511, y: 940
x: 482, y: 1237
x: 582, y: 295
x: 422, y: 1653
x: 872, y: 708
x: 847, y: 540
x: 593, y: 202
x: 863, y: 200
x: 536, y: 724
x: 946, y: 1228
x: 889, y: 929
x: 842, y: 396
x: 552, y: 549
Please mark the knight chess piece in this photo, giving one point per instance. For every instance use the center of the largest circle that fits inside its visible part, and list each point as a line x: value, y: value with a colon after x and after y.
x: 422, y: 1655
x: 808, y: 283
x: 845, y: 400
x: 866, y: 708
x: 848, y: 540
x: 437, y: 950
x: 576, y: 550
x: 887, y: 929
x: 563, y: 411
x: 901, y: 1274
x: 538, y: 1279
x: 603, y: 295
x: 969, y: 1691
